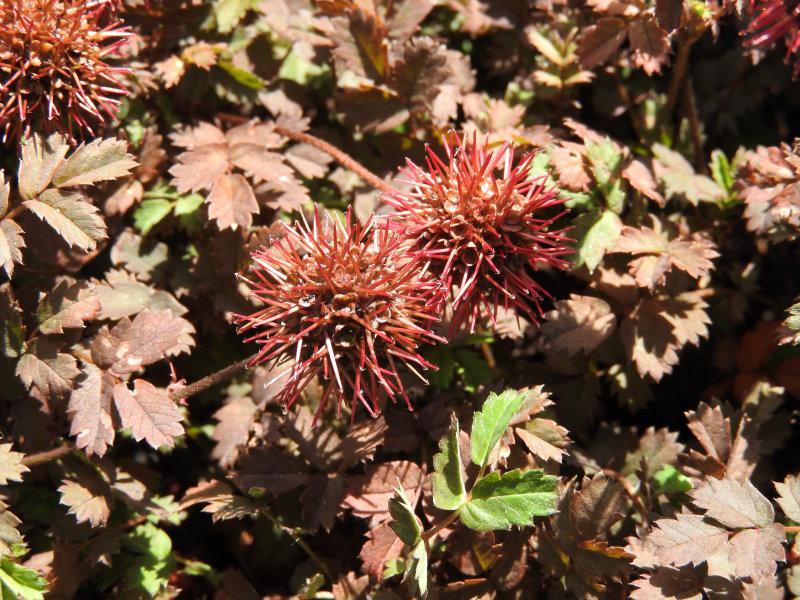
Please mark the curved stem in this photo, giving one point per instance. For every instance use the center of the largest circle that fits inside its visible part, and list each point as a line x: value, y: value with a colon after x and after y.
x: 342, y: 158
x: 427, y: 535
x: 211, y: 380
x: 42, y: 457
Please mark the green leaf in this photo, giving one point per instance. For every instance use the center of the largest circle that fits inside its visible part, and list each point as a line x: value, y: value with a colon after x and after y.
x: 392, y: 567
x: 447, y: 479
x: 721, y: 170
x: 491, y: 422
x: 186, y: 205
x: 671, y: 481
x: 597, y: 232
x: 416, y: 575
x: 246, y: 78
x: 228, y: 13
x: 404, y: 522
x: 150, y: 213
x: 605, y: 162
x: 149, y: 561
x: 40, y: 159
x: 151, y: 540
x: 17, y: 581
x: 472, y: 368
x: 442, y: 357
x: 73, y: 219
x: 100, y: 160
x: 513, y: 498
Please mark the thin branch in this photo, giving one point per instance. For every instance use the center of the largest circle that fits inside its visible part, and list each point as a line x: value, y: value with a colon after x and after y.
x: 679, y: 71
x: 211, y: 380
x: 694, y: 125
x: 342, y: 158
x: 791, y: 528
x: 294, y: 534
x: 42, y: 457
x: 427, y: 535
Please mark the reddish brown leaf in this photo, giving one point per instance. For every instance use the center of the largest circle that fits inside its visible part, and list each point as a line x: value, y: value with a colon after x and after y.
x: 600, y: 41
x: 149, y: 413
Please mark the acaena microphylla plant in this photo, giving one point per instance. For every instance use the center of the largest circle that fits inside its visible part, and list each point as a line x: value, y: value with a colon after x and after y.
x: 774, y: 20
x: 480, y: 223
x: 53, y: 69
x: 344, y: 302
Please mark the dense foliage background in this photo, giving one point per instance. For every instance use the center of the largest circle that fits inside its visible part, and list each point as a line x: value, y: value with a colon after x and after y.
x: 647, y: 432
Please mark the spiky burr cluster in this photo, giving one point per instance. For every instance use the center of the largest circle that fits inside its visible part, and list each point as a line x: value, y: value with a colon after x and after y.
x: 53, y: 69
x: 343, y: 302
x: 774, y: 20
x: 475, y: 220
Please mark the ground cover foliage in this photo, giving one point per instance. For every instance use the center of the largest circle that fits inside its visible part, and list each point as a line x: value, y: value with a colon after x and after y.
x: 399, y: 298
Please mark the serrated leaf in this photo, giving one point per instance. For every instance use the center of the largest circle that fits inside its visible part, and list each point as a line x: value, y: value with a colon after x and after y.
x: 9, y: 532
x: 48, y: 369
x: 12, y: 333
x: 669, y: 480
x: 733, y: 503
x: 513, y: 498
x: 755, y: 552
x: 17, y: 581
x: 149, y: 413
x: 242, y: 76
x: 684, y: 539
x: 40, y: 159
x: 597, y: 232
x: 416, y: 573
x: 67, y: 306
x: 447, y: 479
x: 131, y: 345
x: 228, y: 13
x: 789, y: 497
x: 86, y: 501
x: 680, y: 179
x: 76, y: 221
x: 489, y: 424
x: 11, y: 244
x: 404, y: 522
x: 100, y: 160
x: 11, y: 467
x: 579, y: 324
x: 5, y: 193
x: 150, y: 213
x: 89, y: 409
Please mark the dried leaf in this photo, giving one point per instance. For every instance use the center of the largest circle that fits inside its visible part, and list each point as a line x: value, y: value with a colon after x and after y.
x: 86, y: 501
x: 231, y: 202
x: 149, y: 413
x: 649, y: 44
x: 600, y: 41
x: 368, y: 495
x: 11, y: 467
x: 90, y: 411
x: 51, y: 371
x: 579, y: 324
x: 733, y: 503
x: 67, y: 306
x: 789, y: 497
x: 755, y: 552
x: 11, y: 245
x: 271, y: 471
x: 684, y: 539
x: 131, y: 345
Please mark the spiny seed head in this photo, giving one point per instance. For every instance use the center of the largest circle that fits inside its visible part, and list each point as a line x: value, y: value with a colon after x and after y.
x: 475, y: 220
x: 53, y: 72
x: 774, y: 20
x: 343, y: 302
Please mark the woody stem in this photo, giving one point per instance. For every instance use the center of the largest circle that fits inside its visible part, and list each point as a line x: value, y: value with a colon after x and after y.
x: 342, y: 158
x: 185, y: 392
x: 211, y: 380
